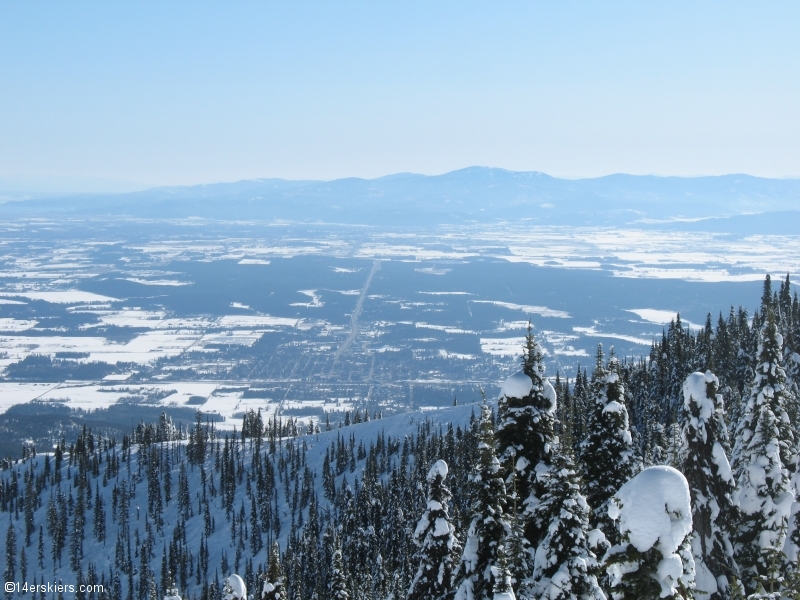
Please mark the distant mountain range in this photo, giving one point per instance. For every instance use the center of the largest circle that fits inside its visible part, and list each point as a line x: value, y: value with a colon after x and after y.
x: 472, y: 194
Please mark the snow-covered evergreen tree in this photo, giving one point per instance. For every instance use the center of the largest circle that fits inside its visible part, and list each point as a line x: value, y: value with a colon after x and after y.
x: 565, y: 565
x: 234, y: 588
x: 11, y: 555
x: 705, y: 465
x: 502, y: 577
x: 763, y: 453
x: 606, y: 455
x: 489, y: 526
x: 654, y: 557
x: 791, y: 548
x: 525, y: 433
x: 517, y: 551
x: 657, y: 446
x: 171, y: 589
x: 339, y: 590
x: 435, y: 537
x: 675, y: 444
x: 274, y: 586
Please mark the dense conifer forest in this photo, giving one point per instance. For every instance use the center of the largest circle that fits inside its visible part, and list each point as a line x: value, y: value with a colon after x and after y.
x: 674, y: 475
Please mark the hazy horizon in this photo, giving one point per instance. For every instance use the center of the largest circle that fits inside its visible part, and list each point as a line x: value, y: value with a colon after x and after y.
x: 29, y: 186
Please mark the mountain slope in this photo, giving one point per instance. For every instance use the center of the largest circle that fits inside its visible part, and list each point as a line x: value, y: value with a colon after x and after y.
x: 130, y: 482
x: 475, y: 193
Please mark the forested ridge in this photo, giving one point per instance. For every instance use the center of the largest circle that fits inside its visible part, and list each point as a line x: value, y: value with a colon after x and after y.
x: 544, y: 493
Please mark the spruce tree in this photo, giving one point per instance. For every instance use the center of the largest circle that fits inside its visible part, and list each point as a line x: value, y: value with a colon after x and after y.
x: 274, y: 587
x: 502, y: 577
x: 23, y: 564
x: 40, y: 552
x: 526, y: 433
x: 565, y: 565
x: 438, y: 547
x: 654, y: 558
x: 606, y: 455
x: 11, y: 555
x: 763, y: 453
x: 339, y: 589
x: 706, y: 467
x: 171, y: 588
x: 489, y: 526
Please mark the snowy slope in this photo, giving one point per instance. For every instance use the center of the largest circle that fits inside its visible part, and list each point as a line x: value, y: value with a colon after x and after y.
x: 101, y: 556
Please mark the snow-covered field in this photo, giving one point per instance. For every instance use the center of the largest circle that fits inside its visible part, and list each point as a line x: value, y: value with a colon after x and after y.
x: 219, y: 398
x: 276, y: 303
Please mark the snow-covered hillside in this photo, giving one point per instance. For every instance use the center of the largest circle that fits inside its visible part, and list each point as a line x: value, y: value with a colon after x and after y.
x: 150, y: 499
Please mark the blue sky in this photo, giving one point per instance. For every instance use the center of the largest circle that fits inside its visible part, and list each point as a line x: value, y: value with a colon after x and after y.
x: 163, y: 93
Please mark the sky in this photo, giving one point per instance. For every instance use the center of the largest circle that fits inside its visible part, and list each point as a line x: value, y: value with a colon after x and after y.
x: 116, y: 95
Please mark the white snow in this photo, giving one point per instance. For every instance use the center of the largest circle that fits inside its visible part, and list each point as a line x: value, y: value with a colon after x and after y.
x: 694, y: 388
x: 445, y: 328
x: 703, y: 577
x: 441, y: 527
x: 165, y: 282
x: 118, y: 376
x: 63, y: 297
x: 721, y: 460
x: 142, y: 349
x: 595, y: 537
x: 422, y: 525
x: 257, y: 321
x: 592, y: 332
x: 17, y: 324
x: 790, y: 549
x: 660, y: 317
x: 315, y: 301
x: 654, y: 510
x: 238, y: 587
x: 549, y: 392
x: 502, y: 346
x: 433, y: 271
x: 528, y: 309
x: 438, y: 468
x: 446, y: 293
x: 518, y: 385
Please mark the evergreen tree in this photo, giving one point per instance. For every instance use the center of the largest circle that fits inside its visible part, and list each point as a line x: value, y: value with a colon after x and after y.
x: 40, y: 553
x: 502, y: 577
x: 606, y: 455
x: 526, y: 433
x: 339, y: 588
x: 654, y: 557
x: 23, y: 564
x: 274, y: 587
x: 763, y: 452
x: 489, y: 525
x: 11, y: 556
x: 196, y: 449
x: 171, y: 589
x: 436, y: 541
x: 152, y: 588
x: 99, y: 517
x: 706, y: 467
x: 565, y: 565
